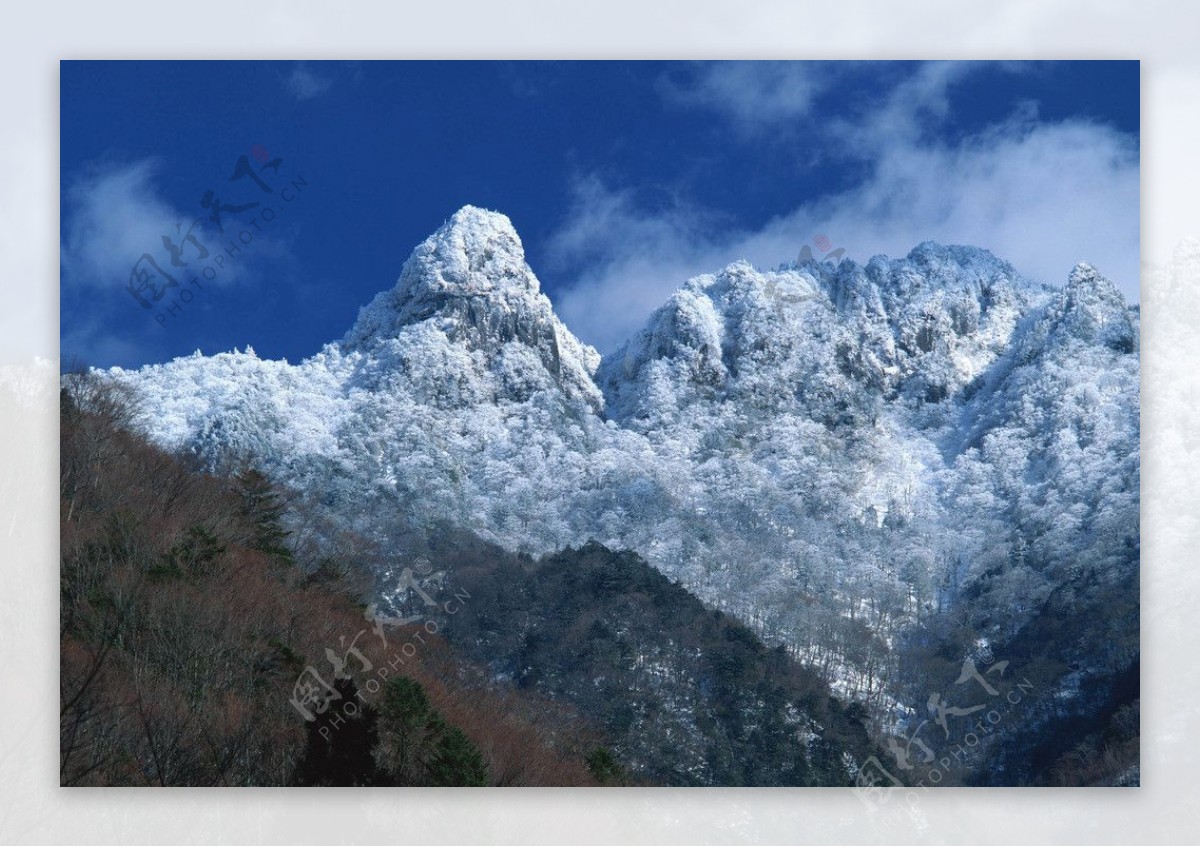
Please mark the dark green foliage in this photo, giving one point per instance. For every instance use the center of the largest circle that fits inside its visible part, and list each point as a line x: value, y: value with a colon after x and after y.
x: 327, y: 572
x: 263, y: 507
x: 281, y: 657
x: 196, y: 556
x: 418, y: 746
x: 454, y: 760
x: 405, y: 712
x: 687, y: 695
x: 604, y: 767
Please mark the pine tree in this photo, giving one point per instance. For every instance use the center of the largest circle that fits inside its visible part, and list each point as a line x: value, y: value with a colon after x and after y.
x: 263, y: 508
x: 418, y: 745
x: 405, y: 711
x: 453, y: 760
x: 604, y: 767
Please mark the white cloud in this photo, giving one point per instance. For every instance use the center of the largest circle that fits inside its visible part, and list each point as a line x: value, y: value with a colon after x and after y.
x: 116, y: 214
x: 916, y: 101
x: 754, y: 95
x: 113, y: 217
x: 632, y: 260
x: 304, y: 84
x: 1040, y: 195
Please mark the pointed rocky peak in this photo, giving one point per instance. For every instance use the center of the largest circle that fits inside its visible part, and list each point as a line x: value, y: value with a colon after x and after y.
x: 1092, y: 309
x: 1088, y: 285
x: 696, y: 339
x: 470, y: 285
x: 691, y: 323
x: 475, y: 252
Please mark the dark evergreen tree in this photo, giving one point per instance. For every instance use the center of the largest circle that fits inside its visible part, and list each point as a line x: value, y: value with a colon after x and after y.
x: 405, y: 711
x: 196, y: 555
x: 604, y: 767
x: 453, y: 759
x: 263, y: 507
x: 419, y: 747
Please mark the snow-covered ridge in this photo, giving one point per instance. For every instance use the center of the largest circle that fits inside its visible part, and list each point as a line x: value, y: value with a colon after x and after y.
x: 928, y: 324
x: 807, y: 447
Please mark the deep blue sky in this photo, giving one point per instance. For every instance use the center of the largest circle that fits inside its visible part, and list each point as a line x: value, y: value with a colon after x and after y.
x: 390, y: 150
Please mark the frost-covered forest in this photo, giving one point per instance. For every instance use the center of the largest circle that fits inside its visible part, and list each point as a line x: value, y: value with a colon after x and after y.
x: 878, y: 468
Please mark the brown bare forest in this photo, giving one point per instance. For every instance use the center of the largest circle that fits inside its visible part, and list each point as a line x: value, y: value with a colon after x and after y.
x: 186, y: 622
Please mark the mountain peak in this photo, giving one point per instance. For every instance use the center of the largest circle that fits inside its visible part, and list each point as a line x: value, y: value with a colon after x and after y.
x: 1091, y: 291
x: 473, y: 245
x: 1084, y: 277
x: 468, y: 286
x: 476, y: 251
x: 1092, y: 309
x: 474, y: 255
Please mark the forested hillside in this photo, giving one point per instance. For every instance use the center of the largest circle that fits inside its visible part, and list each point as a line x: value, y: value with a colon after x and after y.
x: 688, y: 695
x: 187, y: 621
x: 191, y: 618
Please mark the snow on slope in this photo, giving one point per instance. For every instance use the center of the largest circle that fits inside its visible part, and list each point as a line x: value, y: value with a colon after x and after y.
x: 830, y: 453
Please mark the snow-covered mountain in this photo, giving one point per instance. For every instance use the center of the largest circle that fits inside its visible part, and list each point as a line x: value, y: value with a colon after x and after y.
x: 833, y: 454
x: 468, y: 288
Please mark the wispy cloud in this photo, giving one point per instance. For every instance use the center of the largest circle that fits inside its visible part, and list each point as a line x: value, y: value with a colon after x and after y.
x: 304, y: 83
x: 116, y: 215
x: 915, y: 104
x: 1043, y: 195
x: 753, y: 95
x: 113, y: 216
x: 631, y: 259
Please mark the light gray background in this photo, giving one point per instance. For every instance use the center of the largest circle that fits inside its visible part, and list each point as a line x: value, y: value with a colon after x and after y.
x: 33, y: 809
